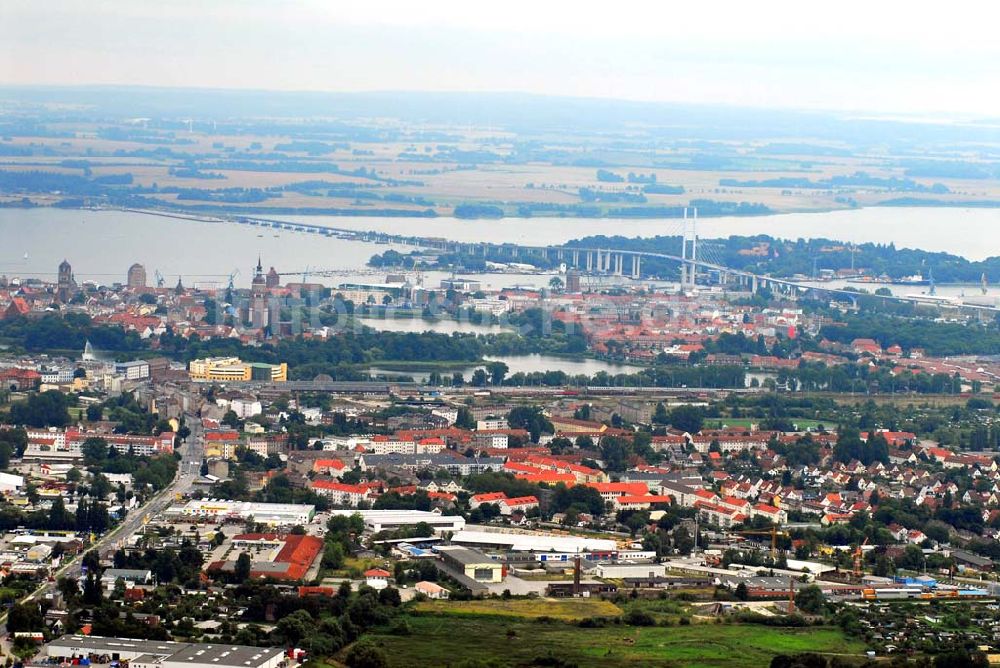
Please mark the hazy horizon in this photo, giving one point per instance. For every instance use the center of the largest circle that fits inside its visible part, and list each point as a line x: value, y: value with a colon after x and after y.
x: 862, y: 58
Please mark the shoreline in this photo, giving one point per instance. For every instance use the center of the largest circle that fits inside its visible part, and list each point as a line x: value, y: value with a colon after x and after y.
x: 216, y: 214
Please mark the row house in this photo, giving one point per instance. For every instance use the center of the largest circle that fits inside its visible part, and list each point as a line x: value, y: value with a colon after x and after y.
x: 640, y: 501
x: 685, y: 495
x: 342, y: 494
x: 58, y: 445
x: 729, y: 443
x: 610, y: 490
x: 770, y: 513
x: 582, y: 474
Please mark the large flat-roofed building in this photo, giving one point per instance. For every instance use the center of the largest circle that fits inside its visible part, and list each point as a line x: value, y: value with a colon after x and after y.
x: 387, y: 520
x: 471, y: 563
x: 163, y: 653
x: 532, y: 542
x: 281, y: 557
x: 621, y: 571
x: 233, y: 369
x: 134, y: 370
x: 273, y: 514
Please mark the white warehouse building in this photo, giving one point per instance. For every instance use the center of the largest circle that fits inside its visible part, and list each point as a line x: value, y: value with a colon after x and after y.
x: 384, y: 520
x: 165, y: 654
x: 274, y: 514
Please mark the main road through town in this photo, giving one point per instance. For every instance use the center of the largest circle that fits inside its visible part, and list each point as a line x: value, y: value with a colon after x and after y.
x: 188, y: 470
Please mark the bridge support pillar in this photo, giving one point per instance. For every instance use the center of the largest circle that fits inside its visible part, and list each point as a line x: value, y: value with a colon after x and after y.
x: 636, y: 271
x: 590, y: 261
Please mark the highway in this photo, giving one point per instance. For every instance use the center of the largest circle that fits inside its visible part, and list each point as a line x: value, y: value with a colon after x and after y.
x: 188, y: 470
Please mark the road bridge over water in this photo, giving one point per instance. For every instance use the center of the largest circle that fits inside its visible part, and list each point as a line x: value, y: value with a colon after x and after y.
x: 693, y: 266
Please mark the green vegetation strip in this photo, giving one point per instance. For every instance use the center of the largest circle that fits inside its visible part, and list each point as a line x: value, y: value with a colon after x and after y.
x: 438, y: 640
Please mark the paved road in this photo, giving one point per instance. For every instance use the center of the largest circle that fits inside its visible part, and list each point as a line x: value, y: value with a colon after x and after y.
x: 188, y: 470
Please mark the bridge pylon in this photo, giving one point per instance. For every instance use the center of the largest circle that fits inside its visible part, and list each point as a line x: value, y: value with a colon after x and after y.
x: 689, y: 250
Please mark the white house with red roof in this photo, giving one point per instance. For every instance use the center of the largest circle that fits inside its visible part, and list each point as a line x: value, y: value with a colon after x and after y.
x: 330, y: 467
x: 510, y: 505
x: 377, y: 578
x: 489, y: 497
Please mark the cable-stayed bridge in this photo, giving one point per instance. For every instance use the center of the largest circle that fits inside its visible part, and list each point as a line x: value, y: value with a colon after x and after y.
x: 697, y: 261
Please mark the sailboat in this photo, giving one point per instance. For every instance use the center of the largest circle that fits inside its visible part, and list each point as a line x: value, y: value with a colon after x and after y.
x: 25, y: 255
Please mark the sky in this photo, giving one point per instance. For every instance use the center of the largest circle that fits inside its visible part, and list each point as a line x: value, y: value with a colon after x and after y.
x: 886, y: 56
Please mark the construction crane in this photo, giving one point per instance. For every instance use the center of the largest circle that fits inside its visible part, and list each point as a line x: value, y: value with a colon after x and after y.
x: 232, y: 277
x: 857, y: 559
x: 160, y: 281
x: 773, y: 532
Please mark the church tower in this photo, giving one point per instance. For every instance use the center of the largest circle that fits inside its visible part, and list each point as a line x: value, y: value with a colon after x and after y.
x: 66, y: 285
x: 273, y: 279
x: 259, y: 315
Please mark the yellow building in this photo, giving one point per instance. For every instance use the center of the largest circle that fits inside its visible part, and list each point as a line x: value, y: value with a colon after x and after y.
x: 233, y: 369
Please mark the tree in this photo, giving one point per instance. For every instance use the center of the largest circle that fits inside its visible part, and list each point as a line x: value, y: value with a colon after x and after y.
x: 231, y: 419
x: 333, y: 555
x: 242, y: 571
x: 100, y: 486
x: 660, y: 415
x: 95, y: 450
x: 741, y: 591
x: 91, y: 561
x: 498, y: 371
x: 365, y: 654
x: 68, y: 587
x: 683, y: 542
x: 24, y: 617
x: 93, y: 593
x: 390, y: 596
x: 465, y: 420
x: 45, y: 409
x: 687, y: 418
x: 530, y: 419
x: 555, y: 284
x: 479, y: 378
x: 59, y: 517
x: 810, y: 600
x: 296, y: 626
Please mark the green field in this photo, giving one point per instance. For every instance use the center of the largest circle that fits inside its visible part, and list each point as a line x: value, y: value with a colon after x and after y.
x: 449, y: 640
x: 566, y: 609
